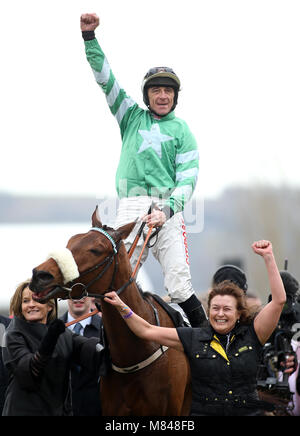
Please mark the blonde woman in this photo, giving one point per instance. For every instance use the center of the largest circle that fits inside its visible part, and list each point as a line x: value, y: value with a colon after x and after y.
x: 38, y: 353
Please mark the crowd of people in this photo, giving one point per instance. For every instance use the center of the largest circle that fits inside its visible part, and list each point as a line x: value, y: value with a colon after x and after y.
x: 52, y: 366
x: 48, y: 369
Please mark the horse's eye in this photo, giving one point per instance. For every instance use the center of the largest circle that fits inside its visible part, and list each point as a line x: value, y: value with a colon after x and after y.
x: 95, y: 251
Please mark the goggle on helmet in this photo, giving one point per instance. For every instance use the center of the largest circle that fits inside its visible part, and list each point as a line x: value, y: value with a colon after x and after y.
x: 160, y: 76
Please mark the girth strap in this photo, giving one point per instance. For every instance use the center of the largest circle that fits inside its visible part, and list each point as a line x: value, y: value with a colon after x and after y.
x: 142, y: 364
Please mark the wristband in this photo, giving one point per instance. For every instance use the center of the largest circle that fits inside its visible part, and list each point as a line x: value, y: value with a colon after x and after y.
x: 124, y: 308
x: 128, y: 315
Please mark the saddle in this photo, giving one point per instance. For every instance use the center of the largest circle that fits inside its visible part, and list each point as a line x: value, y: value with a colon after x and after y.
x: 174, y: 314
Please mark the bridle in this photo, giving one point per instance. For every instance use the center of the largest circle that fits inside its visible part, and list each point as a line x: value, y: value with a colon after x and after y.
x: 69, y: 286
x: 106, y: 264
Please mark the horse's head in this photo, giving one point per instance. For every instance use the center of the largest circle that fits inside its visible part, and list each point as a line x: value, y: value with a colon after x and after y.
x: 88, y: 264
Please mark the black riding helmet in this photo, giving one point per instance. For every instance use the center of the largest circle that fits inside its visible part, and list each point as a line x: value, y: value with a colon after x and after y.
x: 233, y: 274
x: 160, y: 76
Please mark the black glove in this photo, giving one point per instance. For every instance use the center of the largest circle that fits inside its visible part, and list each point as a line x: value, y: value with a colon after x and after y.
x: 40, y: 359
x: 88, y: 35
x: 55, y: 329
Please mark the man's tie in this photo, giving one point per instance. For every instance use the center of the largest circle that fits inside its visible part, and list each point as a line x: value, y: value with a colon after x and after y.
x: 77, y: 328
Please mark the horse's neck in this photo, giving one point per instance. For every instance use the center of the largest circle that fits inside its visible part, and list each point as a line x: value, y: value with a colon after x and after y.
x: 125, y: 347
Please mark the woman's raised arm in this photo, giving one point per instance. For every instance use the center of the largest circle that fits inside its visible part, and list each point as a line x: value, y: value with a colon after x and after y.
x: 267, y: 319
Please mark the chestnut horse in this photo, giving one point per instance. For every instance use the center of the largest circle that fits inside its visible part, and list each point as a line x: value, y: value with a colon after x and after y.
x: 145, y: 379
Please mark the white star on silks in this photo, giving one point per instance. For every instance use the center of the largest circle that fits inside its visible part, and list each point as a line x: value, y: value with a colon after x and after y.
x: 153, y: 138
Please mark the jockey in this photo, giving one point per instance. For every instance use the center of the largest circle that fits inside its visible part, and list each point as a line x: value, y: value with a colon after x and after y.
x: 158, y: 164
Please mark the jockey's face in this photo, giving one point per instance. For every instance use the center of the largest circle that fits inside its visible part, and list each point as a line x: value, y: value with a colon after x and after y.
x: 161, y: 99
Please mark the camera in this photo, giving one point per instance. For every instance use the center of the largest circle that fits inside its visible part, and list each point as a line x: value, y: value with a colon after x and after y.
x: 275, y: 351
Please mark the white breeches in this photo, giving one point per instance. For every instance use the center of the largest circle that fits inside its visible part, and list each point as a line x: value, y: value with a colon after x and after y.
x: 170, y: 248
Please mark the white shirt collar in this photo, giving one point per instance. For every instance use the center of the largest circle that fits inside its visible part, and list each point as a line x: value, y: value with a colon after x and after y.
x: 84, y: 322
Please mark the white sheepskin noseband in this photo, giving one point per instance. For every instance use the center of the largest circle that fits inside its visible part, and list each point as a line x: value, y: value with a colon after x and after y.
x: 66, y: 263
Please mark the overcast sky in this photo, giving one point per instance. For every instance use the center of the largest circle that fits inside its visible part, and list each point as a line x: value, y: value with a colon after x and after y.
x: 238, y: 62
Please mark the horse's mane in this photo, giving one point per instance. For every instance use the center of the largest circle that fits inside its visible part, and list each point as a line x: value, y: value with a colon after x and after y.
x: 144, y: 294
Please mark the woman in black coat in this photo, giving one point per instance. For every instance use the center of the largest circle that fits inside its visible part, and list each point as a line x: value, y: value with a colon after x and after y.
x: 38, y: 352
x: 4, y: 322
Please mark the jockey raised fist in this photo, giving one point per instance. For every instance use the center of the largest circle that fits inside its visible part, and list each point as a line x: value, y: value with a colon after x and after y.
x: 89, y: 22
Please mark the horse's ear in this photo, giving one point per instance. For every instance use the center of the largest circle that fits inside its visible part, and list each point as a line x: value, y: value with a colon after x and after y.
x: 124, y: 231
x: 96, y: 222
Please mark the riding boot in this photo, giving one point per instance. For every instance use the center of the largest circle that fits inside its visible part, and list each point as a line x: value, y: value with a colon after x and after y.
x: 194, y: 311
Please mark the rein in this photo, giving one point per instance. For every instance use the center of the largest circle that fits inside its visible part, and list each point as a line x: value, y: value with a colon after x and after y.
x: 139, y: 233
x: 80, y: 318
x: 142, y: 251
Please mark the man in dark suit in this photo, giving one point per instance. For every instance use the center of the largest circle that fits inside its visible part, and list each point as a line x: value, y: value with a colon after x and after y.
x: 85, y: 386
x: 3, y: 373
